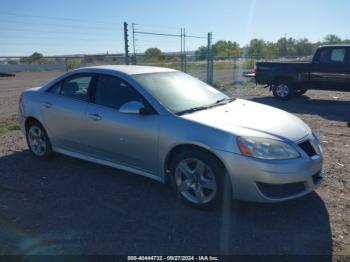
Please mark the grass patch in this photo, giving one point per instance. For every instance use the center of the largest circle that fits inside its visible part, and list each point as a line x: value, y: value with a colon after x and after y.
x: 9, y: 127
x: 13, y: 126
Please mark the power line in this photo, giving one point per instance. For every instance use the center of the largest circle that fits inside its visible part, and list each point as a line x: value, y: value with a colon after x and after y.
x: 60, y: 18
x: 156, y: 34
x: 66, y: 38
x: 56, y: 25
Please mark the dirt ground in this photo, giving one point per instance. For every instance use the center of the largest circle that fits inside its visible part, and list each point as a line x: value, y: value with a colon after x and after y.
x: 72, y: 207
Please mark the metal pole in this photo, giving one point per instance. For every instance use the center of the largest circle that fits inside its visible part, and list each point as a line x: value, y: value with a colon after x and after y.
x: 209, y: 60
x: 66, y: 62
x: 126, y: 41
x: 181, y: 54
x: 184, y: 49
x: 133, y: 43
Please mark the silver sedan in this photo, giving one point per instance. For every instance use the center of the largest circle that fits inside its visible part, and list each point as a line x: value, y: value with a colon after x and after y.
x: 166, y: 125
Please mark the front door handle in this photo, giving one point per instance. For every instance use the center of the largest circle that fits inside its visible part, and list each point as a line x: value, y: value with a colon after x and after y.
x: 47, y: 105
x: 95, y: 117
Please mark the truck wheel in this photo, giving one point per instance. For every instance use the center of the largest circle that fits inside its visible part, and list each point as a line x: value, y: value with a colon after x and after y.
x: 300, y: 92
x: 283, y: 90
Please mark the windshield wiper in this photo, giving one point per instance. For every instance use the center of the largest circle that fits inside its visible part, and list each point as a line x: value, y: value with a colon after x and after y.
x: 194, y: 109
x: 224, y: 101
x: 220, y: 102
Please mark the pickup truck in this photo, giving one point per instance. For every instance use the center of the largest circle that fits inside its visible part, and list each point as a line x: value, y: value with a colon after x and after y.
x: 328, y: 70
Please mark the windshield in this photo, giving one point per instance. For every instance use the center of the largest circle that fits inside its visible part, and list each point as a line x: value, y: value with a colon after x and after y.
x: 178, y: 91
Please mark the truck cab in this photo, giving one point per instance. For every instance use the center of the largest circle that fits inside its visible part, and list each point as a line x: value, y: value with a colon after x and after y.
x: 328, y: 70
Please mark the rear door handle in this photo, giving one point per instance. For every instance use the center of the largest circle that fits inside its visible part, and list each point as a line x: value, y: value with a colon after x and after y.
x: 47, y: 105
x: 95, y: 117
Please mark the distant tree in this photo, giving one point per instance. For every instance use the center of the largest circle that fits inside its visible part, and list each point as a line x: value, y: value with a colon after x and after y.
x: 89, y: 59
x: 12, y: 62
x: 201, y: 52
x: 153, y: 54
x: 303, y: 47
x: 332, y: 40
x: 153, y: 51
x: 256, y: 47
x: 35, y: 58
x: 282, y: 47
x: 226, y: 48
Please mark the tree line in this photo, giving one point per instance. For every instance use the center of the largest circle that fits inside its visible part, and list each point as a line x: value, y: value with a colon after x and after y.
x: 283, y: 47
x: 259, y: 47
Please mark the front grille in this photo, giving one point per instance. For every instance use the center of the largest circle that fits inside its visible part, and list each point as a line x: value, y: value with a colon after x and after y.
x: 281, y: 190
x: 308, y: 148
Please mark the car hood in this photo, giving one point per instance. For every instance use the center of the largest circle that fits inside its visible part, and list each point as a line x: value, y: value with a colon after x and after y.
x: 242, y: 117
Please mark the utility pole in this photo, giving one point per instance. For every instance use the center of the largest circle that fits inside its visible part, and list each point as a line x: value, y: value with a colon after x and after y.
x: 210, y: 60
x: 133, y: 43
x: 126, y: 41
x: 182, y: 52
x: 184, y: 49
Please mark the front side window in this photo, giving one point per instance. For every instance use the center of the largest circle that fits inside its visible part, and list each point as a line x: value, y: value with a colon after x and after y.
x: 55, y: 89
x: 113, y: 92
x: 77, y: 87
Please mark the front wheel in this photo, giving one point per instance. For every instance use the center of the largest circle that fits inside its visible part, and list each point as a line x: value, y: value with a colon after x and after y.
x: 38, y: 141
x: 198, y: 179
x: 283, y: 90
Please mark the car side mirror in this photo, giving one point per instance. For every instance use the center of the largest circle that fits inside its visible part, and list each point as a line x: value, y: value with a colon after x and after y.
x: 134, y: 108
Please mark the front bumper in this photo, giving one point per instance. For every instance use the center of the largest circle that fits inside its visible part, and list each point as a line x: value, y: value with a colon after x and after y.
x: 272, y: 180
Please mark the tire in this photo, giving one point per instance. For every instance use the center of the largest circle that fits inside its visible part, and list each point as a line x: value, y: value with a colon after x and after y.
x: 38, y: 141
x: 198, y: 179
x: 300, y: 92
x: 283, y: 90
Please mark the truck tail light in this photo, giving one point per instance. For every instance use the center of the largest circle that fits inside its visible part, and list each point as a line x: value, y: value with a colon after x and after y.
x: 255, y: 70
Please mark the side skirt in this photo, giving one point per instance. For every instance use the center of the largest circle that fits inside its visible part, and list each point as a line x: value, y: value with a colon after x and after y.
x: 107, y: 163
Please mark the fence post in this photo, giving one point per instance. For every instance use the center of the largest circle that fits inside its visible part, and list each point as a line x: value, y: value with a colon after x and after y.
x: 126, y: 42
x: 133, y: 43
x: 66, y: 62
x: 184, y: 49
x: 209, y: 60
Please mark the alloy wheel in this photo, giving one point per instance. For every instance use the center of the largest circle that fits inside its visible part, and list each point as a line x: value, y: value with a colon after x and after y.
x: 37, y: 141
x: 195, y: 181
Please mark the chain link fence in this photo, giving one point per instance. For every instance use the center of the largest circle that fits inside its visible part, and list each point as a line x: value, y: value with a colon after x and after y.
x: 226, y: 70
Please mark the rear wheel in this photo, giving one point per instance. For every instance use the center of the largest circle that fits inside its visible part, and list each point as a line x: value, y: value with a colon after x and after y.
x: 283, y: 90
x: 38, y: 141
x: 198, y: 179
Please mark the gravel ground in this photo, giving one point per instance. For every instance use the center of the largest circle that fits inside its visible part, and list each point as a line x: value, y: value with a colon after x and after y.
x: 68, y: 206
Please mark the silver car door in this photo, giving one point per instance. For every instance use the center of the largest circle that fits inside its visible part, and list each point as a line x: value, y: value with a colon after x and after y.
x: 64, y: 111
x: 126, y: 139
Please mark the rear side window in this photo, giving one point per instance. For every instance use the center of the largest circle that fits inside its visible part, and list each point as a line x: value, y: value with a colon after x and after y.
x: 77, y: 87
x: 329, y: 55
x: 114, y: 92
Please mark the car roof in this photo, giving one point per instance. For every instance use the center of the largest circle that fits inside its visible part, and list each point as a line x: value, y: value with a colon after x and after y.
x: 131, y: 69
x: 330, y: 46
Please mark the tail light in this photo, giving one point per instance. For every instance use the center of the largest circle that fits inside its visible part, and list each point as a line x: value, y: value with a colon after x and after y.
x: 255, y: 70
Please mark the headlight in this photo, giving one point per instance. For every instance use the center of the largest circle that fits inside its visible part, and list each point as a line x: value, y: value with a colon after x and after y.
x: 265, y: 148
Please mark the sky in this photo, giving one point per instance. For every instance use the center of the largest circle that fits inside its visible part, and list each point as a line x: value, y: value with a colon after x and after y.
x: 61, y: 27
